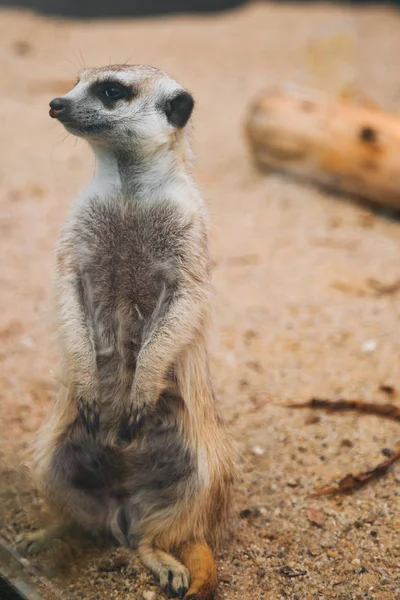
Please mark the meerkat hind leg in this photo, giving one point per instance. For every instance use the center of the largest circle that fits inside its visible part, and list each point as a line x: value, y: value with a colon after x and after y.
x: 174, y: 578
x: 37, y: 541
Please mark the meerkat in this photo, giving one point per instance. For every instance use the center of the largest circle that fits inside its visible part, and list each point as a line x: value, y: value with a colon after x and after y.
x: 134, y: 445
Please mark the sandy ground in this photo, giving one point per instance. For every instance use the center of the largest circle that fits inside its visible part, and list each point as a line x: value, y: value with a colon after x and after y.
x: 293, y: 304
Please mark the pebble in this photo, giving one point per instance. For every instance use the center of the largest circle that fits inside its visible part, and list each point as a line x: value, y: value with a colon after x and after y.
x: 359, y: 523
x: 260, y: 573
x: 116, y: 564
x: 328, y: 541
x: 149, y: 595
x: 120, y: 561
x: 257, y: 451
x: 346, y: 443
x: 314, y: 550
x: 369, y: 346
x: 260, y: 511
x: 292, y: 483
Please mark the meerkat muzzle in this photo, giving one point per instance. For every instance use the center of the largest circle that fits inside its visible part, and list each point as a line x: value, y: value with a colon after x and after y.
x: 57, y: 107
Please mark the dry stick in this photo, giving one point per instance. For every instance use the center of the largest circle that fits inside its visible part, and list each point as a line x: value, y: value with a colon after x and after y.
x: 350, y: 482
x: 353, y: 482
x: 332, y: 141
x: 384, y: 289
x: 389, y: 411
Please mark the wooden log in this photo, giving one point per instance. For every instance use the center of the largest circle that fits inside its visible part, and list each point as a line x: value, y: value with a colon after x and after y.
x: 336, y: 142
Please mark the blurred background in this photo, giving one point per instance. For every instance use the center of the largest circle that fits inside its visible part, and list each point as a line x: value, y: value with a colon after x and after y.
x: 306, y: 281
x: 101, y: 8
x: 91, y: 8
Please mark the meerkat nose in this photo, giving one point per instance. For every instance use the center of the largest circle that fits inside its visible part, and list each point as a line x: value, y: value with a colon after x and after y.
x: 57, y: 106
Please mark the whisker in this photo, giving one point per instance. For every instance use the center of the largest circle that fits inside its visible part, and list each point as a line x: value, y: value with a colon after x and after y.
x: 81, y: 56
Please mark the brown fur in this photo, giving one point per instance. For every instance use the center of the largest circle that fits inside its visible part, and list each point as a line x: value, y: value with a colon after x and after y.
x: 199, y: 559
x: 134, y: 445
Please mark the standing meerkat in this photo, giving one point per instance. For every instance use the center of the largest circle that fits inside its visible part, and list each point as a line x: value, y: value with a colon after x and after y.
x: 134, y: 445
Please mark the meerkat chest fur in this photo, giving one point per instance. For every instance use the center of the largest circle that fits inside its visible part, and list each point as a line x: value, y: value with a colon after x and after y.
x: 131, y: 258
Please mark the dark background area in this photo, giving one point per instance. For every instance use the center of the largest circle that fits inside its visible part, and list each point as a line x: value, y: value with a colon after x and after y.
x: 106, y: 8
x: 109, y: 8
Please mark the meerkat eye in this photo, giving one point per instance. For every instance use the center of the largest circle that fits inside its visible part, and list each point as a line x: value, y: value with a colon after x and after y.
x: 111, y: 91
x: 115, y: 92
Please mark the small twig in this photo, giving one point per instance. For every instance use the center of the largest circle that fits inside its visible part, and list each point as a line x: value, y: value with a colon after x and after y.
x: 289, y: 572
x: 353, y: 482
x: 384, y: 289
x: 389, y: 411
x: 339, y: 582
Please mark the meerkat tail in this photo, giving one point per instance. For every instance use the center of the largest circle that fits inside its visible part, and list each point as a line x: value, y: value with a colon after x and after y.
x: 200, y: 561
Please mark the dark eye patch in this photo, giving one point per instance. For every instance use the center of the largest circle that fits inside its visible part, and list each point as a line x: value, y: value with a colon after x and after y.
x: 110, y: 92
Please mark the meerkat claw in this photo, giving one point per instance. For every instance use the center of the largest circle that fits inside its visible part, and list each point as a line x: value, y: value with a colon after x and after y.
x: 136, y: 420
x: 26, y: 546
x: 177, y: 583
x: 33, y: 543
x: 90, y: 417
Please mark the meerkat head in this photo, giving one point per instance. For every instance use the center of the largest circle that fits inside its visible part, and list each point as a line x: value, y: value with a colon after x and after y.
x: 123, y: 105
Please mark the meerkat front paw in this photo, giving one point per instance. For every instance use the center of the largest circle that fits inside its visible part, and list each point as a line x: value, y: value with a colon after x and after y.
x: 89, y: 413
x: 142, y: 401
x: 174, y: 581
x: 136, y: 418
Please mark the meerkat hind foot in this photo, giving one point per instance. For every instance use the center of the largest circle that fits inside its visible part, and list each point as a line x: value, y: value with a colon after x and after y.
x: 35, y: 542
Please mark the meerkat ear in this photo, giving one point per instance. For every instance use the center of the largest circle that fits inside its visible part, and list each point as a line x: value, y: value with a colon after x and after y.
x: 179, y: 108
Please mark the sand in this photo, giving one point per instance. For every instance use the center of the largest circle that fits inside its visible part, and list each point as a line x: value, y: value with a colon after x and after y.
x: 295, y: 314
